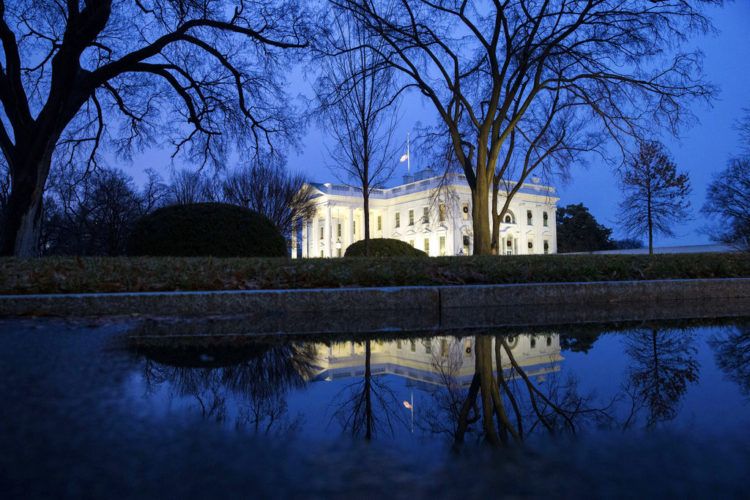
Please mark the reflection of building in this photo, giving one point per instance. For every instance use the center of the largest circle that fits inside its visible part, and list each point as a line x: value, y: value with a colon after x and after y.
x: 430, y: 213
x: 428, y: 360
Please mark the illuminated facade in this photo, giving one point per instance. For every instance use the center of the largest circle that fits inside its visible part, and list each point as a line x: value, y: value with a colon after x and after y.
x: 428, y: 211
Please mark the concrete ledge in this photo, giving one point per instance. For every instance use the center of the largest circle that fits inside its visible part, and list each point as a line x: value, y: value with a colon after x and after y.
x: 257, y: 302
x: 430, y: 303
x: 598, y: 292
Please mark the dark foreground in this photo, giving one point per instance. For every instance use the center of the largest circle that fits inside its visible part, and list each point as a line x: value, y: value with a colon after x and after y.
x: 104, y: 409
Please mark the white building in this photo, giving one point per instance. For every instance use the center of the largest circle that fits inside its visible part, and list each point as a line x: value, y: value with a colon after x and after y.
x: 431, y: 213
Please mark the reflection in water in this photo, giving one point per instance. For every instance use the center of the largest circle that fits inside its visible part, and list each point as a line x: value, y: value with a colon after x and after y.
x: 496, y: 389
x: 256, y: 375
x: 732, y: 352
x: 663, y: 363
x: 366, y: 405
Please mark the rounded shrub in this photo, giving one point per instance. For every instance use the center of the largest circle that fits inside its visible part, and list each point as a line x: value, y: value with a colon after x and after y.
x: 206, y: 229
x: 384, y: 247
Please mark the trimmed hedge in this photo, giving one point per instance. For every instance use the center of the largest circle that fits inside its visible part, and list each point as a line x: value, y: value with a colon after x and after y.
x: 151, y: 274
x: 206, y: 229
x: 383, y: 247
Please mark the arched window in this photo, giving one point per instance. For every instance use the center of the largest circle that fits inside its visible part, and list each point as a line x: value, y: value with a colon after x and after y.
x: 509, y: 218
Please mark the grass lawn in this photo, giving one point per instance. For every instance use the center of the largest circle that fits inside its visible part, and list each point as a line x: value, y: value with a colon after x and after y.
x: 138, y: 274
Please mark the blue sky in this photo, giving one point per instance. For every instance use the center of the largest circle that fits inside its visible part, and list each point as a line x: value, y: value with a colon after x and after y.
x: 701, y: 150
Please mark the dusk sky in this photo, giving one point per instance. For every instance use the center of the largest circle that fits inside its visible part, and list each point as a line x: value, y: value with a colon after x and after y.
x: 702, y: 149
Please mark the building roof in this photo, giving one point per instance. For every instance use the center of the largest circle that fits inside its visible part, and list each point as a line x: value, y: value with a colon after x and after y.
x: 424, y: 180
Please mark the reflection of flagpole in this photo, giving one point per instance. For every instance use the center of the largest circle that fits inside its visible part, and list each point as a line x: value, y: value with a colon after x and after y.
x: 410, y: 406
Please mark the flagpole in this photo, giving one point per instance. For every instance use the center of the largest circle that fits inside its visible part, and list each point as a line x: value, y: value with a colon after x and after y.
x: 408, y: 155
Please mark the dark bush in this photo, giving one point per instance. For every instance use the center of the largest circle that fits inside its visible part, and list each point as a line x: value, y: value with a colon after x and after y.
x: 206, y: 229
x: 384, y: 247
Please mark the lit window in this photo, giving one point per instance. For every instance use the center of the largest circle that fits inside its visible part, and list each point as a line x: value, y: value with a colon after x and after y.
x: 354, y: 226
x: 411, y: 242
x: 413, y: 346
x: 444, y: 348
x: 398, y: 220
x: 321, y: 253
x: 398, y: 344
x: 380, y: 222
x: 441, y: 212
x: 411, y: 217
x: 442, y: 245
x: 427, y: 246
x: 529, y: 218
x: 425, y: 215
x: 545, y: 219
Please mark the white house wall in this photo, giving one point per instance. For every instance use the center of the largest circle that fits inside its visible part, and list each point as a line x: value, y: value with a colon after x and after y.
x: 342, y: 205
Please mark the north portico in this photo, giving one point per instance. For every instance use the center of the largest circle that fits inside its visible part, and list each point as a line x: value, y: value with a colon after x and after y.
x: 428, y: 211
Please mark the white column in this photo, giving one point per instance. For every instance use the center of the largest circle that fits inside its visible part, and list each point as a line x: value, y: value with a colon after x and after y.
x: 305, y: 238
x: 315, y: 247
x: 328, y: 232
x: 348, y: 238
x: 294, y: 240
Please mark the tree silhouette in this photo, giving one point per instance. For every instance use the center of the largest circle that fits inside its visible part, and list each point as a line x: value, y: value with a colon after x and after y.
x: 488, y: 67
x: 732, y: 353
x: 367, y: 406
x: 256, y: 375
x: 662, y: 366
x: 201, y: 75
x: 655, y: 194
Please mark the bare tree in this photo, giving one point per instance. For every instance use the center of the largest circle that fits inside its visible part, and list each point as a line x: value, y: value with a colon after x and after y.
x: 268, y: 188
x: 655, y: 193
x: 358, y: 100
x: 728, y: 197
x: 4, y: 189
x: 188, y: 186
x: 193, y: 73
x: 92, y: 213
x: 663, y: 365
x: 484, y: 66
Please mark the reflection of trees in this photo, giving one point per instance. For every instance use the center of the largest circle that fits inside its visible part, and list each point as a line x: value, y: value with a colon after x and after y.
x: 732, y: 352
x: 663, y: 364
x: 507, y: 402
x: 365, y: 406
x: 255, y: 375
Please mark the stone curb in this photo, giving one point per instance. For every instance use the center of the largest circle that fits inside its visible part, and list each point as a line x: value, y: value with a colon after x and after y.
x: 428, y: 301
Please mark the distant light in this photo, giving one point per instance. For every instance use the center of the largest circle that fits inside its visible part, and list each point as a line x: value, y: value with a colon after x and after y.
x: 408, y: 405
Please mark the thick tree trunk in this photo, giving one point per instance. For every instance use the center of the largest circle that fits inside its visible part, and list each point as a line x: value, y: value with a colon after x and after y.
x: 483, y: 353
x: 366, y: 206
x: 495, y: 245
x: 368, y: 392
x: 23, y: 215
x: 480, y: 198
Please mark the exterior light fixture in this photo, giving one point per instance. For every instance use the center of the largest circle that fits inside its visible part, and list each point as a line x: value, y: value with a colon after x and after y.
x: 338, y: 244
